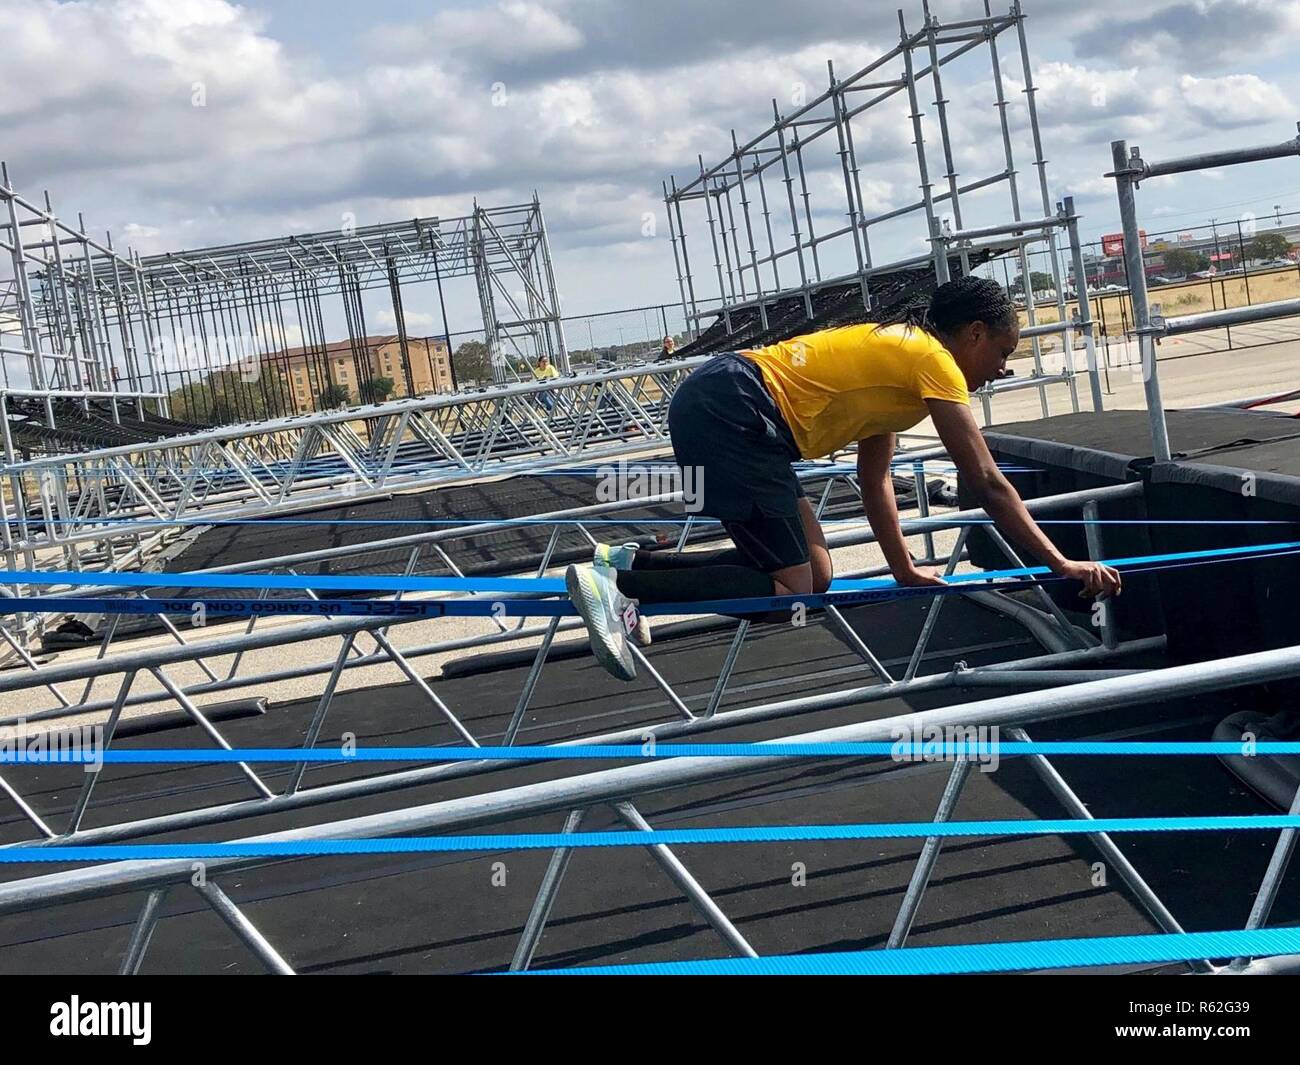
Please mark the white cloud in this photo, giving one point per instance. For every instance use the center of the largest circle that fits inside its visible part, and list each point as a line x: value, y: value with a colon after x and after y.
x: 603, y: 99
x: 507, y: 31
x: 416, y: 321
x: 1203, y: 33
x: 1082, y: 187
x: 1235, y: 100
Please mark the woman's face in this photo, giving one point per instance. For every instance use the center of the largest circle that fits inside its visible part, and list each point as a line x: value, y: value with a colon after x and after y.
x: 982, y: 351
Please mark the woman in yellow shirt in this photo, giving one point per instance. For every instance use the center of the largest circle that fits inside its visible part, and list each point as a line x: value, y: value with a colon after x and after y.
x: 743, y: 418
x: 544, y: 371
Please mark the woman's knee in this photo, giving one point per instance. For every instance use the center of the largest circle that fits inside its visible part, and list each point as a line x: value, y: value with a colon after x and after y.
x: 821, y: 566
x: 795, y: 580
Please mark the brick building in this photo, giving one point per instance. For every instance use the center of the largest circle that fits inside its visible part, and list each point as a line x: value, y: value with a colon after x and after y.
x: 309, y: 371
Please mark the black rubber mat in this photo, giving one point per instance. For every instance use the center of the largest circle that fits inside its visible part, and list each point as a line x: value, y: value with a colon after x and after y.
x: 510, y: 550
x: 464, y: 913
x: 424, y: 512
x: 1107, y: 443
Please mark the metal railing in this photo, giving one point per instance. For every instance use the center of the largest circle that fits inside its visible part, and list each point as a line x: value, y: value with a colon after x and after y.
x: 1130, y: 170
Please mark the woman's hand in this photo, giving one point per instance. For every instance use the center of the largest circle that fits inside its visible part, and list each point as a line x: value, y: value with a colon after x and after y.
x: 1097, y: 579
x: 919, y: 577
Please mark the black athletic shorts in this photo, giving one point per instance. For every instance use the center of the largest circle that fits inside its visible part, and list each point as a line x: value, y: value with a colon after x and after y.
x: 726, y: 426
x: 769, y: 543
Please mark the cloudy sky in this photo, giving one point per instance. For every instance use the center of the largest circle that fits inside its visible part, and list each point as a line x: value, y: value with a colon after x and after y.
x: 313, y: 110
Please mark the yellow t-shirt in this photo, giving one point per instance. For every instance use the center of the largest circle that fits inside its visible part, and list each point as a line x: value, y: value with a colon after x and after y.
x: 547, y: 374
x: 843, y: 385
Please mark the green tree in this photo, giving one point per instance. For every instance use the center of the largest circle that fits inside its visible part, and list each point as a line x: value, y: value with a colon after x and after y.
x: 228, y: 396
x: 377, y: 389
x: 1185, y: 261
x: 472, y: 362
x: 334, y: 396
x: 1268, y: 246
x: 1038, y: 278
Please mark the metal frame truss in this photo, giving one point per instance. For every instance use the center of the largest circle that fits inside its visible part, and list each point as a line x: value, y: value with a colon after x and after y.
x: 80, y: 322
x: 100, y: 500
x: 1068, y: 676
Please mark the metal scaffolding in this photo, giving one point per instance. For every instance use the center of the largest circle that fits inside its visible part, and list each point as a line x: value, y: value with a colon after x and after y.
x: 222, y: 305
x: 778, y: 283
x: 74, y: 325
x: 118, y: 336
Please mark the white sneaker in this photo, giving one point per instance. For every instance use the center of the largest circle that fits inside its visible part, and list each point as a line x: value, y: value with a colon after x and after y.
x: 608, y: 614
x: 620, y: 559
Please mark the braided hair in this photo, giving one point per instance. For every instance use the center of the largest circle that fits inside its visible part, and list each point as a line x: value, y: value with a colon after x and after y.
x: 958, y: 303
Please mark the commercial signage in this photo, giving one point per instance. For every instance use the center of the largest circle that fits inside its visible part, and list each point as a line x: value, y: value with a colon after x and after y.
x: 1112, y: 244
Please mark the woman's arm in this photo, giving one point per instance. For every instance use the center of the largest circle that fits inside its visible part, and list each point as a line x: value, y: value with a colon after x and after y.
x: 874, y: 456
x: 966, y: 447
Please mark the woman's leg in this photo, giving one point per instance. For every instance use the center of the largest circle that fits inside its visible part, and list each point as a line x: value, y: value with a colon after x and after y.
x: 719, y: 427
x: 694, y: 584
x: 661, y: 561
x: 771, y: 557
x: 814, y: 576
x: 819, y: 555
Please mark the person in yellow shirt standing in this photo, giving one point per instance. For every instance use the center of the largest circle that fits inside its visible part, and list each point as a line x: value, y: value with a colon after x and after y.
x: 741, y: 421
x: 544, y: 371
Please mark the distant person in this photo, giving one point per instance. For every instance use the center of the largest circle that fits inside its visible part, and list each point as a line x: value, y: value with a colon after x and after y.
x: 544, y: 371
x: 669, y: 351
x: 741, y: 421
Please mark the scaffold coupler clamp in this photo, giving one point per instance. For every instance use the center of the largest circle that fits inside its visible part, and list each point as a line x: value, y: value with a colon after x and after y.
x: 1136, y: 171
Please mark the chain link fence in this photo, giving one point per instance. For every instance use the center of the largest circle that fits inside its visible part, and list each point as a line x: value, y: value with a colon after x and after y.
x: 1222, y: 264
